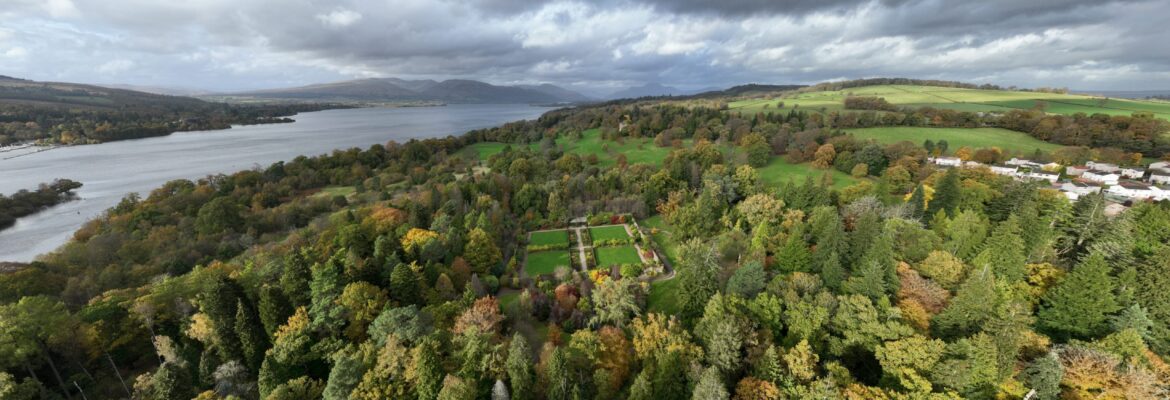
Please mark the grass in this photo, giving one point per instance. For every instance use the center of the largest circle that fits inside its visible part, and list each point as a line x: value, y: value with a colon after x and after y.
x: 956, y: 137
x: 607, y: 256
x: 664, y: 239
x: 509, y: 298
x: 637, y: 151
x: 778, y: 171
x: 545, y: 262
x: 608, y: 233
x: 956, y: 99
x: 545, y: 238
x: 337, y: 191
x: 662, y: 297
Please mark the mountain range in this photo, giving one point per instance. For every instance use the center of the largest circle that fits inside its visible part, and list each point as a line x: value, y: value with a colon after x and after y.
x: 394, y: 90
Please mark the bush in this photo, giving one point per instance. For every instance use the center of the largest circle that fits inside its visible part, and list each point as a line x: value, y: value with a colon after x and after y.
x: 612, y: 242
x: 631, y: 270
x: 547, y: 247
x: 491, y: 283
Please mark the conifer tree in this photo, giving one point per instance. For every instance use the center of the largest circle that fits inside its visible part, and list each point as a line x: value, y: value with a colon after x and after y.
x: 946, y: 194
x: 405, y: 285
x: 481, y: 252
x: 519, y: 368
x: 294, y: 281
x: 274, y: 308
x: 794, y: 256
x: 710, y: 386
x: 916, y: 202
x: 973, y: 304
x: 427, y: 370
x: 324, y: 290
x: 1079, y: 305
x: 1003, y: 252
x: 253, y: 339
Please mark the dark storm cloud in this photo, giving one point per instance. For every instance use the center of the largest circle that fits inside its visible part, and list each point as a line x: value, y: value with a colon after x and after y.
x: 227, y: 44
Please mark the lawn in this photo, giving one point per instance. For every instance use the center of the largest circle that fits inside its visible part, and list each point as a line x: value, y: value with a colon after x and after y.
x: 546, y: 238
x: 608, y: 233
x: 664, y: 239
x: 484, y: 150
x: 637, y: 151
x: 545, y: 262
x: 663, y: 297
x: 956, y: 137
x: 607, y: 256
x: 778, y: 171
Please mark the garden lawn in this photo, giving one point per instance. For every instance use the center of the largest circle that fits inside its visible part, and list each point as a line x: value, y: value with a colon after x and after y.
x: 619, y: 255
x: 956, y: 137
x: 545, y: 262
x: 778, y: 171
x: 664, y: 238
x: 610, y: 232
x: 546, y: 238
x: 663, y: 297
x: 483, y: 150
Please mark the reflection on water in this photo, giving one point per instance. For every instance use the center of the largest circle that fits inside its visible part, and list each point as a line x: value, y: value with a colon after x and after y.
x: 111, y: 170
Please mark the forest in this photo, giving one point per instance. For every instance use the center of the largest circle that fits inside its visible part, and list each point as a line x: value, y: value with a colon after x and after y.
x: 913, y: 283
x: 26, y: 202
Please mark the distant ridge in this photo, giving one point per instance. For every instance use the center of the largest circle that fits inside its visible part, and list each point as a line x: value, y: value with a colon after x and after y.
x: 394, y: 89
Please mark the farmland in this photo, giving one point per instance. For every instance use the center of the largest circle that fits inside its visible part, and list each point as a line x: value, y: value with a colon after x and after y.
x: 956, y: 137
x: 956, y: 99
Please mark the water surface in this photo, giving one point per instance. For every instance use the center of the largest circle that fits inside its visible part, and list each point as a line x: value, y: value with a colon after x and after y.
x: 109, y: 171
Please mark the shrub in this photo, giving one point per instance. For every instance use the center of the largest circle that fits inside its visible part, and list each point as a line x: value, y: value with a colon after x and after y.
x: 631, y: 270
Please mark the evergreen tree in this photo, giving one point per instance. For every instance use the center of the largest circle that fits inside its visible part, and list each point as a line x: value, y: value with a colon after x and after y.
x: 965, y: 233
x: 519, y: 368
x: 325, y: 289
x: 274, y: 308
x: 348, y: 367
x: 219, y: 301
x: 698, y: 277
x: 865, y: 231
x: 794, y: 256
x: 1043, y: 375
x: 832, y: 273
x: 770, y: 366
x: 946, y: 194
x: 294, y: 281
x: 427, y: 370
x: 172, y: 382
x: 974, y: 303
x: 881, y: 254
x: 1080, y: 304
x: 253, y: 340
x: 917, y: 203
x: 1003, y: 252
x: 405, y: 285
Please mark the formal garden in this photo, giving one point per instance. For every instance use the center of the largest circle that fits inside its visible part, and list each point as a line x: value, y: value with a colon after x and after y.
x: 608, y: 244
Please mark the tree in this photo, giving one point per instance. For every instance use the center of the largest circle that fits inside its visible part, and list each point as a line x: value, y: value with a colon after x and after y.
x: 481, y: 251
x: 757, y: 149
x: 219, y: 301
x: 302, y: 388
x: 295, y: 279
x: 917, y: 202
x: 947, y: 193
x: 1080, y: 304
x: 455, y: 388
x: 824, y: 156
x: 253, y: 339
x: 172, y: 382
x: 348, y: 367
x: 1044, y: 375
x: 405, y: 287
x: 908, y: 362
x: 274, y: 308
x: 219, y: 215
x: 755, y: 389
x: 973, y: 304
x: 30, y: 328
x: 943, y: 268
x: 361, y: 303
x: 698, y: 277
x: 426, y: 372
x: 519, y: 368
x: 326, y: 287
x: 748, y: 280
x: 1003, y: 252
x: 615, y: 302
x: 710, y: 386
x: 794, y: 256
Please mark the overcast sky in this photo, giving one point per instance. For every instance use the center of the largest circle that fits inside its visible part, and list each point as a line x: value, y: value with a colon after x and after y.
x: 604, y: 45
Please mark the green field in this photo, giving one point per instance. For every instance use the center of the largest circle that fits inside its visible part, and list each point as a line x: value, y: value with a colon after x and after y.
x: 607, y: 256
x: 662, y: 297
x: 956, y: 137
x: 778, y: 171
x: 664, y: 239
x: 545, y: 238
x: 481, y: 151
x: 637, y: 151
x: 608, y: 232
x: 955, y: 99
x: 545, y: 262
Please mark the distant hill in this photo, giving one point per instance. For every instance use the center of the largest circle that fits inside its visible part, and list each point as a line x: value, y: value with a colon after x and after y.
x: 169, y: 91
x: 394, y: 89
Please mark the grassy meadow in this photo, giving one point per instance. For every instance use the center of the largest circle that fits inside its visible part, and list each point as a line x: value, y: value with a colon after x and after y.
x: 546, y: 238
x: 956, y: 137
x: 956, y: 99
x: 617, y: 255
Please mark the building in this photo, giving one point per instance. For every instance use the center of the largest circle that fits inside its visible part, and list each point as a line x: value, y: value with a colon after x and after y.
x: 1102, y: 166
x: 1054, y: 167
x: 1009, y: 170
x: 1020, y: 162
x: 1075, y: 170
x: 1159, y: 177
x: 1114, y: 209
x: 1039, y: 174
x: 1108, y: 178
x: 1133, y: 172
x: 947, y: 161
x: 1163, y: 193
x: 1162, y: 165
x: 1074, y: 190
x: 1134, y: 190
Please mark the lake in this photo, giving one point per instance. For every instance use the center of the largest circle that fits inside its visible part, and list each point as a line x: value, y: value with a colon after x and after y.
x: 109, y: 171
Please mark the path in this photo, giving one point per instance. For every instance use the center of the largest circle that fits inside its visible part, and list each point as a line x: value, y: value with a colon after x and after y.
x: 581, y: 249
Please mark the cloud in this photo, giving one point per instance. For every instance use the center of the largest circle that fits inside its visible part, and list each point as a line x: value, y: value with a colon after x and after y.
x: 339, y: 18
x: 248, y: 44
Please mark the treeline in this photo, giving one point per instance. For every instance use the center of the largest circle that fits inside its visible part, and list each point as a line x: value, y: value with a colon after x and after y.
x: 67, y: 124
x: 868, y: 103
x: 841, y: 85
x: 24, y: 202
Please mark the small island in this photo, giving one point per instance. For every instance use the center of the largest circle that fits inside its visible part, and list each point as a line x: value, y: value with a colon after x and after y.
x: 24, y: 202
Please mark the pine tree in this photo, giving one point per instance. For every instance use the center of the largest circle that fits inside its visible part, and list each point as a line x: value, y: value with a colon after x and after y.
x: 519, y: 368
x: 832, y: 273
x: 1079, y: 306
x: 946, y: 194
x: 865, y: 231
x: 870, y: 282
x: 881, y: 254
x: 770, y: 366
x: 1043, y: 375
x: 794, y: 255
x: 173, y: 382
x: 1003, y: 252
x: 219, y: 301
x: 698, y: 277
x: 427, y: 370
x: 348, y: 367
x: 404, y: 285
x: 324, y: 290
x: 274, y: 309
x: 253, y: 339
x: 295, y: 279
x: 974, y: 303
x: 917, y: 202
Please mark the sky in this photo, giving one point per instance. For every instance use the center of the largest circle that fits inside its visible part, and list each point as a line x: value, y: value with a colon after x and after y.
x: 597, y: 46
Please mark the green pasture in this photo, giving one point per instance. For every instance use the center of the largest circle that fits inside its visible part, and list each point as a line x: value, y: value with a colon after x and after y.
x: 956, y: 137
x: 779, y: 171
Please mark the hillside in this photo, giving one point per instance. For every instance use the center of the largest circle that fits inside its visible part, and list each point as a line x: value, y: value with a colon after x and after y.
x: 959, y: 99
x: 400, y: 90
x: 71, y: 113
